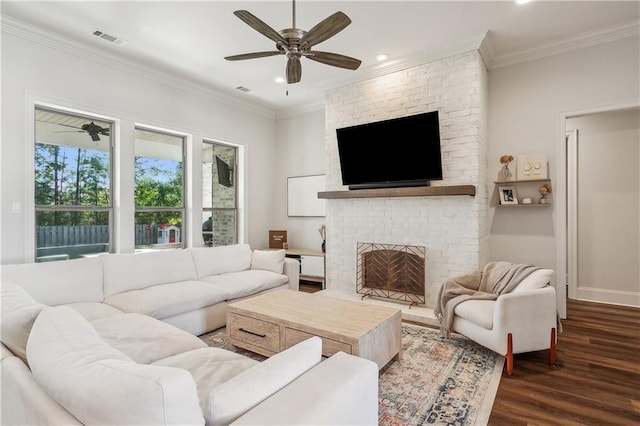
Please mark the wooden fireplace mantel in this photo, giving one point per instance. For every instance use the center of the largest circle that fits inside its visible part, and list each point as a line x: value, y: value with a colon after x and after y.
x: 418, y: 191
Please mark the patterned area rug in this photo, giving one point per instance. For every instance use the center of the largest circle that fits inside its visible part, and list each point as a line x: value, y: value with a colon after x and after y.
x: 435, y: 381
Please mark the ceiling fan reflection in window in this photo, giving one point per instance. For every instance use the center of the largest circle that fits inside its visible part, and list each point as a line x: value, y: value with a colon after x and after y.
x: 91, y: 128
x: 296, y: 43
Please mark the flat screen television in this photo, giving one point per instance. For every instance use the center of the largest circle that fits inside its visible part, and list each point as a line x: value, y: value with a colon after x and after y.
x: 224, y: 172
x: 391, y: 153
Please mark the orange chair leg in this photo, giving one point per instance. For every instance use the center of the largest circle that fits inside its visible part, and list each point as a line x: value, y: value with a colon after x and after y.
x: 552, y: 348
x: 509, y: 354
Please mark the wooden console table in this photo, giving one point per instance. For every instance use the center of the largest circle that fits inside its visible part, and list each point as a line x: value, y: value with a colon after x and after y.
x: 312, y: 264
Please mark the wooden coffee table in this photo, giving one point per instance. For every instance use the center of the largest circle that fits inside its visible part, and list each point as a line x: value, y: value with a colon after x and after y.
x: 272, y: 322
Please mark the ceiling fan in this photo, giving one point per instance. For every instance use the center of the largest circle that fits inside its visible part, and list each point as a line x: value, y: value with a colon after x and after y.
x: 296, y: 43
x: 93, y: 129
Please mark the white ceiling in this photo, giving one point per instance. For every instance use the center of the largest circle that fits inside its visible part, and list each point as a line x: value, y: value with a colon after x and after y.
x: 191, y: 38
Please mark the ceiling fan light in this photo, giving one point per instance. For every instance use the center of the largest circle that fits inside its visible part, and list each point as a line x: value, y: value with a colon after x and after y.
x: 382, y: 57
x: 279, y: 80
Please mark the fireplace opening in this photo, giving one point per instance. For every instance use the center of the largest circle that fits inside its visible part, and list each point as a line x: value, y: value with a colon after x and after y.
x: 391, y: 271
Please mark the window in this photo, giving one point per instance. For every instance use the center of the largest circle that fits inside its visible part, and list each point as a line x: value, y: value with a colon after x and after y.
x: 73, y: 201
x: 219, y: 194
x: 159, y: 189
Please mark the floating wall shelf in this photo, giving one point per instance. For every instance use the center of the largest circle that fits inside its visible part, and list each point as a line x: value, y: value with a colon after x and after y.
x: 418, y: 191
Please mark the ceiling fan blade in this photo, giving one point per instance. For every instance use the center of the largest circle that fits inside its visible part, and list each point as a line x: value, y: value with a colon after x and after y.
x: 253, y: 55
x: 255, y: 23
x: 334, y: 59
x: 294, y: 70
x: 325, y: 29
x: 94, y: 137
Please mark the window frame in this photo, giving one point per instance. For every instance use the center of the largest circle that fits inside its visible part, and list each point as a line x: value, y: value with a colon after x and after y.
x: 37, y: 208
x: 160, y: 209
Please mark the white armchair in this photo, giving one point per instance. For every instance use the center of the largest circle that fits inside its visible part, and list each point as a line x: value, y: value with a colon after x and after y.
x: 523, y: 320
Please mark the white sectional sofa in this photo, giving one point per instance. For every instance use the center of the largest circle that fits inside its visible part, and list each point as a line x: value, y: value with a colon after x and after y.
x: 113, y: 340
x: 188, y: 288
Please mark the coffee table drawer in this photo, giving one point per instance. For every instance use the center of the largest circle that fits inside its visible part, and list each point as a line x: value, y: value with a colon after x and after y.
x: 329, y: 346
x: 255, y: 332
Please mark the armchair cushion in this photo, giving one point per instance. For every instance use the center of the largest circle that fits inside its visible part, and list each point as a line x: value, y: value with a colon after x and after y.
x: 479, y: 312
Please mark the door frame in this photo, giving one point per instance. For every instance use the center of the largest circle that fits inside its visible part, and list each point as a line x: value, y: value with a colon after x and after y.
x: 562, y: 208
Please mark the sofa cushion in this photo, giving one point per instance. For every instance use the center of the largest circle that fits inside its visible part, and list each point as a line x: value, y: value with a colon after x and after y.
x: 479, y: 312
x: 269, y: 260
x: 228, y: 396
x: 58, y: 283
x: 245, y: 283
x: 144, y: 339
x: 537, y: 279
x: 221, y: 259
x: 212, y: 365
x: 93, y: 310
x: 167, y: 300
x: 100, y: 385
x: 19, y: 311
x: 125, y: 272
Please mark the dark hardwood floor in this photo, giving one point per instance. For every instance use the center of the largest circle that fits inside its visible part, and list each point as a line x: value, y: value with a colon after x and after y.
x: 596, y: 380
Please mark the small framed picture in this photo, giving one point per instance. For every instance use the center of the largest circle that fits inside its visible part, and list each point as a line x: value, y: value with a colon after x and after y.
x: 508, y: 195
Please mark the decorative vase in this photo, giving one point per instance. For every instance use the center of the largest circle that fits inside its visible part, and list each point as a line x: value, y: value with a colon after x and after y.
x: 543, y: 200
x: 504, y: 173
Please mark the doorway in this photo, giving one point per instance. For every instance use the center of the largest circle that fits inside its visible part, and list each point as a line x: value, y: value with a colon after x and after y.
x: 603, y: 206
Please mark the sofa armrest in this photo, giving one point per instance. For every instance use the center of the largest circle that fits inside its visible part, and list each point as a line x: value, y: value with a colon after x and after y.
x: 24, y: 402
x: 292, y: 270
x: 529, y: 316
x: 341, y: 390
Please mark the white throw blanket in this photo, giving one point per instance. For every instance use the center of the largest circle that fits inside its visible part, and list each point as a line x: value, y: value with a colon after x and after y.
x: 495, y: 279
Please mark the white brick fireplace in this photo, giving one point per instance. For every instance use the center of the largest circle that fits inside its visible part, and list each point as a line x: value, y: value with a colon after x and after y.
x: 453, y: 229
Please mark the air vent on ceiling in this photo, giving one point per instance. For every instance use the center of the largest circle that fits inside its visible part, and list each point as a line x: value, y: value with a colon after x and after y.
x: 242, y: 89
x: 108, y: 37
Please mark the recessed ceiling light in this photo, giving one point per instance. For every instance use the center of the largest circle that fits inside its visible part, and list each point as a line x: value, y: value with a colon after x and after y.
x: 279, y: 80
x: 522, y: 1
x: 382, y: 57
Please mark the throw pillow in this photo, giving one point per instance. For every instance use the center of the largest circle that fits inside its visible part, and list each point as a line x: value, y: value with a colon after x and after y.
x: 537, y: 279
x: 269, y: 260
x: 19, y: 311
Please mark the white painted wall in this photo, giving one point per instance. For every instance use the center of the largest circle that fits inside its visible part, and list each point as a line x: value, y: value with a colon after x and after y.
x: 608, y: 203
x: 34, y: 70
x: 300, y: 145
x: 527, y: 106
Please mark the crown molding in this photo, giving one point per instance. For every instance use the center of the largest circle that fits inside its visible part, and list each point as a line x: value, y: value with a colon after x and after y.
x: 49, y: 39
x: 312, y: 106
x: 588, y: 39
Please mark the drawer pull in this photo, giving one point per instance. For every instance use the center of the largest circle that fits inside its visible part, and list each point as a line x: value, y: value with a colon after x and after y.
x: 252, y: 332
